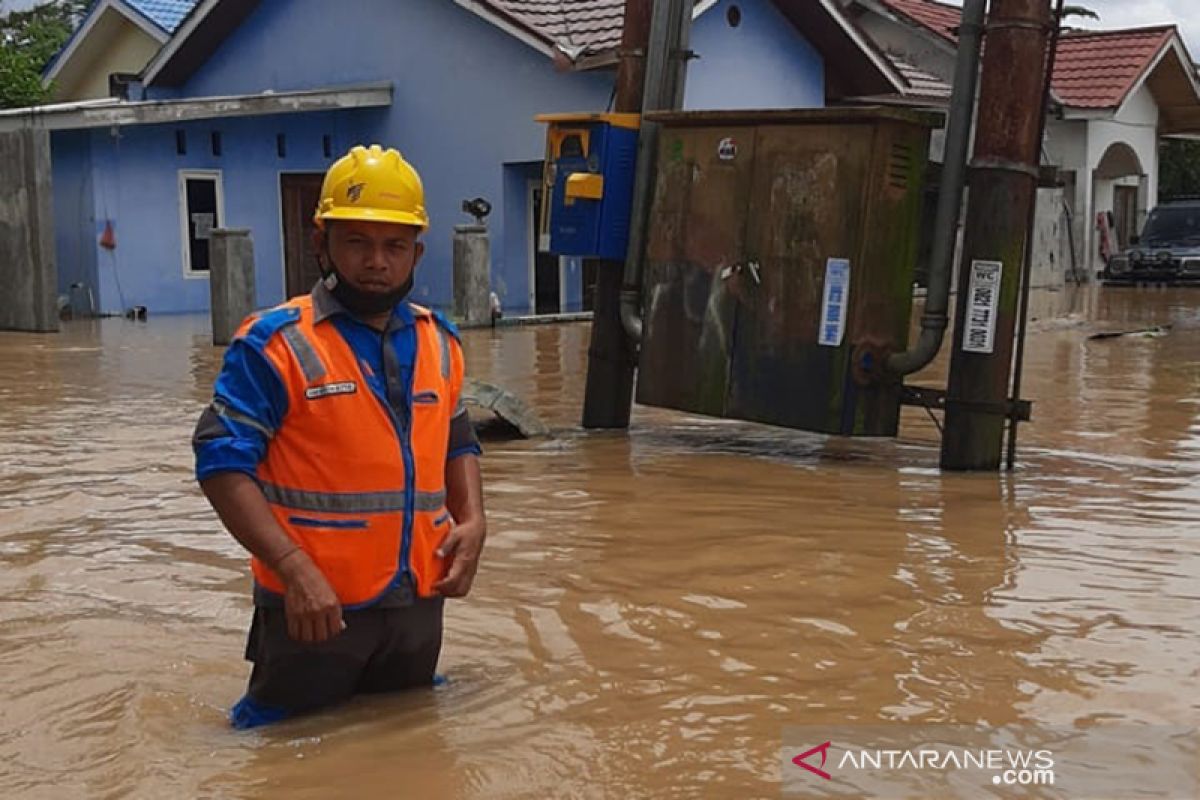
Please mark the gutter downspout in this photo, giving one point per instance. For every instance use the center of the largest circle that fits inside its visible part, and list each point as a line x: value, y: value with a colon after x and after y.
x: 936, y: 319
x: 666, y: 71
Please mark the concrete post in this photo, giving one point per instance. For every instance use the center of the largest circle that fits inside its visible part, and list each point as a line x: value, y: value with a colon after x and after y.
x: 1003, y: 190
x: 28, y: 270
x: 472, y: 275
x: 231, y: 281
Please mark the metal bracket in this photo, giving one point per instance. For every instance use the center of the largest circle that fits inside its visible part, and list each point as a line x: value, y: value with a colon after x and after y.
x: 1020, y: 24
x: 936, y: 399
x: 1006, y: 165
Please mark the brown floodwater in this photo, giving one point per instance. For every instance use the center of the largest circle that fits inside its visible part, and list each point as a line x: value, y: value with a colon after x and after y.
x: 654, y: 607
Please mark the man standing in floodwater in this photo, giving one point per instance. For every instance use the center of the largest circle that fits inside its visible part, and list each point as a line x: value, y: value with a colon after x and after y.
x: 337, y: 451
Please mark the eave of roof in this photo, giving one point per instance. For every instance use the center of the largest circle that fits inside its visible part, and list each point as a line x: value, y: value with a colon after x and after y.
x: 111, y: 111
x: 88, y: 24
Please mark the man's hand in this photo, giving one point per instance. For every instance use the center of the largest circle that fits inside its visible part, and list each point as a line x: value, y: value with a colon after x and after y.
x: 461, y: 548
x: 314, y: 614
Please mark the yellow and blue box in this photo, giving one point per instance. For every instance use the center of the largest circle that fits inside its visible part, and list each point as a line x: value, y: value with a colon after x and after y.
x: 590, y: 161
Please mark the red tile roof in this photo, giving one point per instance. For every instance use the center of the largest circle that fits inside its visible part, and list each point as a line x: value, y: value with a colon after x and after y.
x: 1093, y: 69
x: 1097, y: 69
x: 940, y: 18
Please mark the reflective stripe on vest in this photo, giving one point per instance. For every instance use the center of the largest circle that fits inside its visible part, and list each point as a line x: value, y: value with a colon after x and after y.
x: 362, y: 503
x: 338, y: 455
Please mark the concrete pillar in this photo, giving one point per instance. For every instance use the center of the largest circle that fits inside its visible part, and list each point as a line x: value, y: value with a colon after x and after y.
x: 231, y: 281
x: 28, y: 270
x: 472, y: 275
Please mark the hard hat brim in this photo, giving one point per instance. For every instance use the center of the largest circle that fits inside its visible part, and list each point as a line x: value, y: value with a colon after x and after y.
x: 373, y: 215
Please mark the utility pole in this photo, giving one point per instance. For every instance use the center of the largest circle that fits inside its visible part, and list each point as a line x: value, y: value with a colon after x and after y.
x: 612, y: 360
x: 1003, y: 188
x: 655, y: 44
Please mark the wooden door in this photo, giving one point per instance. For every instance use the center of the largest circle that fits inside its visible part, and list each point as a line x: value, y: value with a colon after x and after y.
x: 300, y: 192
x: 1125, y: 208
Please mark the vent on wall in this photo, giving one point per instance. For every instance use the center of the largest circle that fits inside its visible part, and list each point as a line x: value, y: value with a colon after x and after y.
x: 900, y: 165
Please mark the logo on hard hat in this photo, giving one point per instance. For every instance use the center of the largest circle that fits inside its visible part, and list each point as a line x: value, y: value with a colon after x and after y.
x: 354, y: 193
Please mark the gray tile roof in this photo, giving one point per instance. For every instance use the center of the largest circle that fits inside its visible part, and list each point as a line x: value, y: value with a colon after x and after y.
x: 590, y: 26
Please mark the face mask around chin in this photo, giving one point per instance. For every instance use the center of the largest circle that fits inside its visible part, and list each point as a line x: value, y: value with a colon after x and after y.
x: 362, y: 303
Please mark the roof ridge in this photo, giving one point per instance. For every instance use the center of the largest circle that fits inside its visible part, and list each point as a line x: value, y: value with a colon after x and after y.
x: 1096, y: 33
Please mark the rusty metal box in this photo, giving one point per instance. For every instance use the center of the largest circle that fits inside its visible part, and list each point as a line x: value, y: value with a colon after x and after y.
x: 779, y: 264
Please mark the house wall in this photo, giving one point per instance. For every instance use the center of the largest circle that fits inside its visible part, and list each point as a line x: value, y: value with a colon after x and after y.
x: 1066, y: 145
x: 764, y: 62
x: 465, y: 95
x: 1051, y: 265
x: 75, y: 236
x: 114, y: 45
x: 135, y: 186
x: 1135, y: 124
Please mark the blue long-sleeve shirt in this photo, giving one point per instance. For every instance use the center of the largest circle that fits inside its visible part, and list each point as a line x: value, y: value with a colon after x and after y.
x: 250, y: 401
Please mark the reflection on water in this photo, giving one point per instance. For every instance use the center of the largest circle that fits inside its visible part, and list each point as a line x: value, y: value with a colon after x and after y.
x: 655, y: 607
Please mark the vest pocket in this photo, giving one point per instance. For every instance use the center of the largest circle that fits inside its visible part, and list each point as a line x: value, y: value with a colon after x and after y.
x: 426, y: 398
x: 328, y: 524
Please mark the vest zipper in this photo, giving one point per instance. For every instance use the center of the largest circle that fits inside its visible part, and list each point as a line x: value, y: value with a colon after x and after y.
x: 410, y: 476
x: 403, y: 431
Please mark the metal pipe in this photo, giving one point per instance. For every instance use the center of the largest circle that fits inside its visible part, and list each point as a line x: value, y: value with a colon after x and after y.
x: 666, y: 71
x: 1023, y: 315
x: 936, y: 318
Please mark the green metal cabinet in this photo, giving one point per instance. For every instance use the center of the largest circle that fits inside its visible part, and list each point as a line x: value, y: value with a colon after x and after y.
x: 749, y: 208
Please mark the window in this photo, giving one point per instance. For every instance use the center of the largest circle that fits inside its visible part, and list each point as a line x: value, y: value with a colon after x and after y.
x: 201, y: 209
x: 216, y: 143
x: 281, y: 145
x: 733, y: 16
x: 327, y: 145
x: 181, y: 142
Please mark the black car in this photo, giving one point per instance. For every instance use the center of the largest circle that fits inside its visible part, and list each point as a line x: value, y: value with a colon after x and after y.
x: 1168, y: 250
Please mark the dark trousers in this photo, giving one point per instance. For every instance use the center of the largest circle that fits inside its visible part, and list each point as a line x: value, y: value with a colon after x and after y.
x: 382, y: 650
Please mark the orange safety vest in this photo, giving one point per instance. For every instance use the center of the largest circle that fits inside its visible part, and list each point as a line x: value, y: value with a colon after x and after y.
x: 365, y: 498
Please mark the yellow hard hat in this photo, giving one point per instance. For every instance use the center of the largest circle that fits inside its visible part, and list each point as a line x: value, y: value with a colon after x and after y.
x: 372, y: 185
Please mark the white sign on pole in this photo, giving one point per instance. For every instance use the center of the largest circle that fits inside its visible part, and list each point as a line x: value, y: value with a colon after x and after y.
x: 983, y: 300
x: 836, y: 302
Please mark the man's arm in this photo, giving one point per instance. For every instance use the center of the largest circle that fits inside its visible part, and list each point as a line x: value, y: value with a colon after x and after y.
x: 464, y: 489
x: 231, y: 439
x: 464, y: 542
x: 313, y: 611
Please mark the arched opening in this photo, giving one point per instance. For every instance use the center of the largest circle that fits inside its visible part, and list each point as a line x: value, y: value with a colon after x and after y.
x: 1119, y: 187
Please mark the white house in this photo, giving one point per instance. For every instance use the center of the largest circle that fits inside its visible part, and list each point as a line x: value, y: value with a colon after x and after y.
x: 1116, y: 93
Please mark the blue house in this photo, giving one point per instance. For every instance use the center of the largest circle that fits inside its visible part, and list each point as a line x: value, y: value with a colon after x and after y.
x: 248, y: 101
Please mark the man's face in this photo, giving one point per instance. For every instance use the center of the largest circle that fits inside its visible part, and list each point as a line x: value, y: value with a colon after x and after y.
x: 373, y: 256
